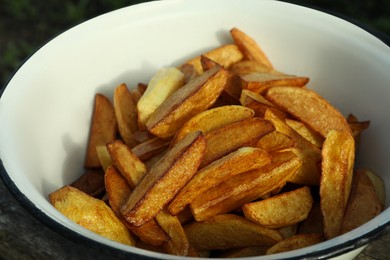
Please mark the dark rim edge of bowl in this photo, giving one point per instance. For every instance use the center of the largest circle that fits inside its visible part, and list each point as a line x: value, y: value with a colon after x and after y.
x: 121, y: 254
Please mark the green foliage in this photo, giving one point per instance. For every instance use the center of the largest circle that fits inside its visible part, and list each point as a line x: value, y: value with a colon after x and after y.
x: 25, y: 25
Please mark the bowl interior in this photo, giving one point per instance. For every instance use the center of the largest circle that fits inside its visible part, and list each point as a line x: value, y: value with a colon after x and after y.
x: 46, y: 108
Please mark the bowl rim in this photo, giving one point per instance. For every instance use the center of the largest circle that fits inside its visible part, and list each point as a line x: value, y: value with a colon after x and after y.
x: 325, y: 253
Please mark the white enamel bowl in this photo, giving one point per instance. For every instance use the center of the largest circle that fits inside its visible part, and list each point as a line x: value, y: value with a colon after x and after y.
x: 46, y: 107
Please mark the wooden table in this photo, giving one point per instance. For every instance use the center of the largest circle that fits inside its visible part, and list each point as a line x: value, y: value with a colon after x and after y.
x: 22, y: 237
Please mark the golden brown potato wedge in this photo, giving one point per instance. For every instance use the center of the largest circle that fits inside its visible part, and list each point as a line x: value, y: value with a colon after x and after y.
x: 117, y: 188
x: 142, y: 136
x: 91, y: 182
x: 309, y: 107
x: 163, y: 84
x: 91, y: 213
x: 225, y: 55
x: 164, y: 180
x: 152, y: 161
x: 282, y: 210
x: 232, y: 89
x: 126, y: 114
x: 357, y: 127
x: 207, y: 63
x: 260, y: 82
x: 244, y: 159
x: 214, y: 118
x: 275, y: 141
x: 229, y: 138
x: 194, y: 97
x: 104, y: 156
x: 131, y: 167
x: 338, y: 154
x: 178, y: 243
x: 245, y: 187
x: 249, y: 66
x: 363, y: 204
x: 141, y: 87
x: 229, y: 231
x: 306, y: 132
x: 189, y: 72
x: 150, y: 148
x: 118, y: 191
x: 310, y: 155
x: 289, y: 231
x: 135, y: 94
x: 103, y: 129
x: 295, y: 242
x: 379, y: 185
x: 259, y: 104
x: 249, y: 47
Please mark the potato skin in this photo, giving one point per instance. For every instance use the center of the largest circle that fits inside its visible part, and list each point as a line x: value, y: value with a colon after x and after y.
x: 91, y: 213
x: 164, y: 180
x: 281, y: 210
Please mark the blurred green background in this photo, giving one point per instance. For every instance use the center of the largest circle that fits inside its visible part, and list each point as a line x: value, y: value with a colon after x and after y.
x: 25, y: 25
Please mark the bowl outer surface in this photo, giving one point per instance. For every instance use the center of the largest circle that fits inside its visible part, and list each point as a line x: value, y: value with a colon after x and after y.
x: 45, y: 110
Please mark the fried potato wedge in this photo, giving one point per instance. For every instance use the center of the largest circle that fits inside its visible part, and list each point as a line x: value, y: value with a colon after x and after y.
x: 164, y: 180
x: 91, y: 182
x: 131, y: 167
x: 136, y: 95
x: 150, y: 148
x: 142, y: 136
x: 117, y: 188
x: 338, y: 154
x: 232, y: 90
x: 363, y: 204
x: 178, y: 243
x: 229, y: 138
x: 357, y: 127
x: 189, y: 72
x: 288, y: 231
x: 310, y: 155
x: 307, y: 133
x: 118, y: 191
x: 91, y: 213
x: 309, y: 107
x: 249, y: 66
x: 244, y: 159
x: 249, y: 47
x: 191, y: 99
x: 295, y: 242
x: 260, y: 82
x: 141, y: 87
x: 379, y: 185
x: 245, y: 187
x: 104, y: 156
x: 258, y: 103
x: 275, y: 141
x: 103, y: 129
x: 163, y: 84
x: 282, y: 210
x: 213, y: 118
x: 225, y: 55
x: 229, y: 231
x: 126, y: 114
